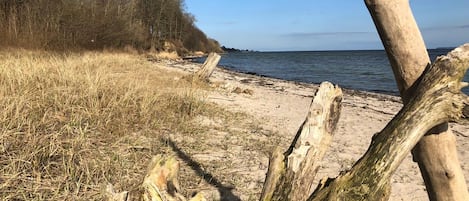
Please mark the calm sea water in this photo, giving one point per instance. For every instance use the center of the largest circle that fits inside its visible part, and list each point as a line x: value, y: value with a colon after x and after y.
x: 367, y: 70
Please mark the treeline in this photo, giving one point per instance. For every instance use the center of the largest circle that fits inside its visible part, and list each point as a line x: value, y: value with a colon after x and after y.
x: 230, y: 49
x: 98, y: 24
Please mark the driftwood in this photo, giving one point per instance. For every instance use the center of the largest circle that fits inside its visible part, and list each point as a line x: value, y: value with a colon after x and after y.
x: 208, y: 67
x: 437, y: 99
x: 290, y: 175
x: 436, y: 152
x: 160, y: 184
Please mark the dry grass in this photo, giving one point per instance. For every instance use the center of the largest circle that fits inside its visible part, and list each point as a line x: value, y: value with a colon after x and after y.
x: 72, y: 123
x: 166, y: 55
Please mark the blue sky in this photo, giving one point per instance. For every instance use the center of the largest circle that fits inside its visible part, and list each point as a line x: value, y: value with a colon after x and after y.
x: 276, y: 25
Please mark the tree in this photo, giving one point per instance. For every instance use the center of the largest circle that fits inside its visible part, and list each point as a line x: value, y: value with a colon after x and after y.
x: 98, y: 24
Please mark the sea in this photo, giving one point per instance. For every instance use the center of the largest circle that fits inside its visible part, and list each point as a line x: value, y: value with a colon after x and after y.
x: 366, y: 70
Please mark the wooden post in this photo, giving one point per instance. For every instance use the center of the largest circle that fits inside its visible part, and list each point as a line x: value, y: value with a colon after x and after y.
x: 290, y: 175
x: 437, y: 99
x: 209, y: 66
x: 436, y: 152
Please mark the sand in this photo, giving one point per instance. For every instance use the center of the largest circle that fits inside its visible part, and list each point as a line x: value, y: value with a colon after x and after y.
x: 282, y: 106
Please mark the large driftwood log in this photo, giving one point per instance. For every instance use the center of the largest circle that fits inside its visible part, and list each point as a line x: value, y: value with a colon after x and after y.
x: 402, y: 40
x: 209, y: 66
x: 290, y: 175
x: 436, y: 152
x: 437, y: 99
x: 160, y: 184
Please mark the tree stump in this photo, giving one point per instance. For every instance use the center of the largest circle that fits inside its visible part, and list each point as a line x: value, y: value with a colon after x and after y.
x: 291, y: 175
x: 160, y: 184
x: 208, y: 67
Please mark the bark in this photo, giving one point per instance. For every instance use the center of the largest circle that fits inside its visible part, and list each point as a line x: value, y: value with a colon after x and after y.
x: 290, y: 175
x: 436, y: 153
x: 437, y: 99
x: 209, y: 66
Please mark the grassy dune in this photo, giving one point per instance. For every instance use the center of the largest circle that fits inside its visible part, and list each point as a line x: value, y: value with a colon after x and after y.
x: 72, y: 123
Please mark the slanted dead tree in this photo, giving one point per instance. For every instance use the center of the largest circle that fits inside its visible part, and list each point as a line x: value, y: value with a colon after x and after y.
x: 208, y: 67
x: 436, y: 152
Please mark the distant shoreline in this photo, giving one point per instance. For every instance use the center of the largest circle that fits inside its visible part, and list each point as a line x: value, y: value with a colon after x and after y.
x: 362, y: 50
x: 262, y: 79
x: 348, y: 90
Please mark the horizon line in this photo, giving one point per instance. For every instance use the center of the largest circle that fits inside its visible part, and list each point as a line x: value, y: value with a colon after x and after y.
x: 332, y: 50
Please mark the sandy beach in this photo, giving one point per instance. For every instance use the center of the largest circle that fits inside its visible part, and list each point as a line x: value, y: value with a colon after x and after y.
x: 99, y: 100
x: 279, y: 107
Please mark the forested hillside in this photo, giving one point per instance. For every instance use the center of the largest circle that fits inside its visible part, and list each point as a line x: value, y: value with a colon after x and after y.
x: 98, y: 24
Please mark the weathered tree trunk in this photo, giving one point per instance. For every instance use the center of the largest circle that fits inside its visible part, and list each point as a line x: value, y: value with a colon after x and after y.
x: 436, y: 153
x: 160, y: 183
x: 209, y: 66
x: 437, y: 99
x: 290, y: 175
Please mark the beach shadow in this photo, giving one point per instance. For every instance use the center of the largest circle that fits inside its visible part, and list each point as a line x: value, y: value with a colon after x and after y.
x: 226, y: 193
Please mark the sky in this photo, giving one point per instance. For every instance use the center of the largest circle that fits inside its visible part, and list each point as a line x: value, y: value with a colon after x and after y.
x: 289, y: 25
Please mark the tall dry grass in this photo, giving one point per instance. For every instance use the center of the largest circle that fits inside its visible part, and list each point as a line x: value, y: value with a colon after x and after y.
x: 72, y: 123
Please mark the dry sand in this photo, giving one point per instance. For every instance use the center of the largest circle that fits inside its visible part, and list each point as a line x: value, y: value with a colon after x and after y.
x: 280, y: 107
